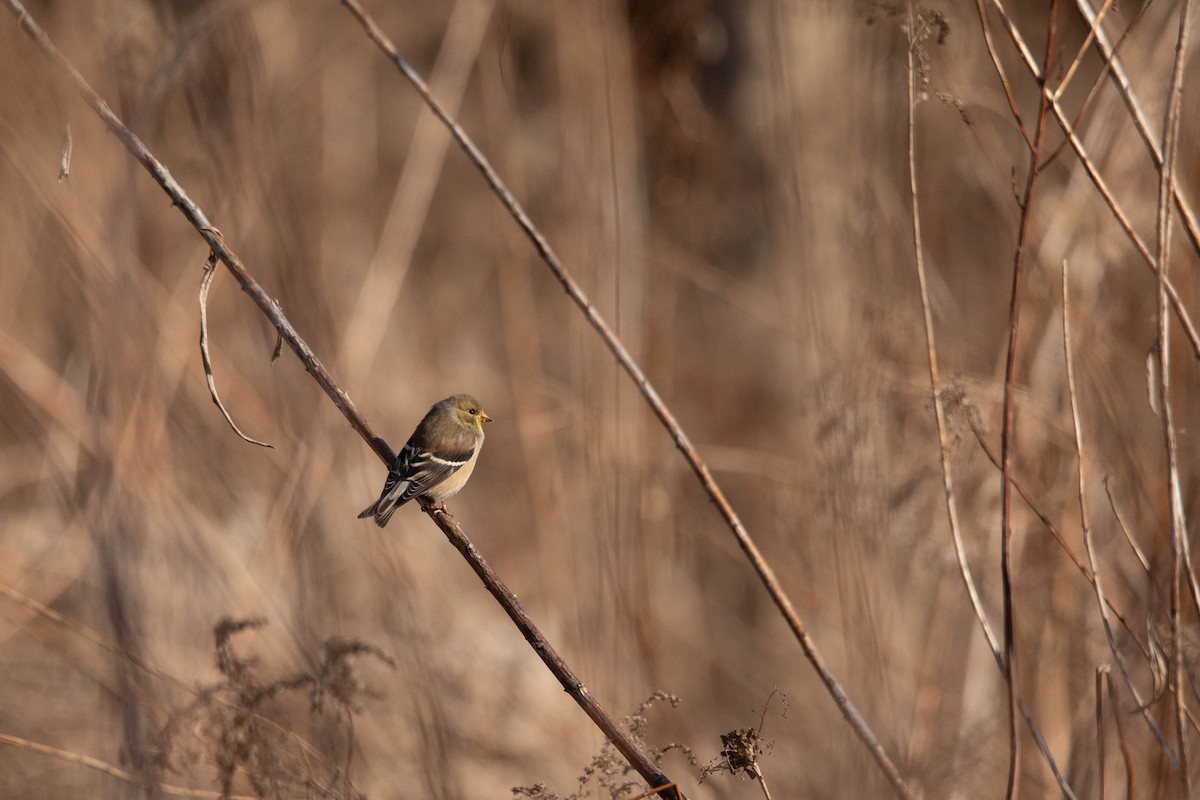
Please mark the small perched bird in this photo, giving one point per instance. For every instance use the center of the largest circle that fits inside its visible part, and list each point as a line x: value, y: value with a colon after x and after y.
x: 438, y: 458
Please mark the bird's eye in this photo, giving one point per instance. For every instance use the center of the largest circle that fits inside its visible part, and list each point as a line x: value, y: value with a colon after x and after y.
x: 473, y: 411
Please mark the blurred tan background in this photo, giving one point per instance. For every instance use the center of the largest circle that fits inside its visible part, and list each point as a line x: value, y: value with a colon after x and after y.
x: 728, y: 181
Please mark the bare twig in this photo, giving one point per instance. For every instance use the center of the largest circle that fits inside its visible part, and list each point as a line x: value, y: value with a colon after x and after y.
x: 341, y: 400
x: 764, y: 570
x: 1006, y: 436
x: 939, y: 411
x: 1122, y: 218
x: 553, y: 661
x: 1100, y: 673
x: 655, y: 792
x: 1179, y: 546
x: 1112, y: 694
x: 210, y: 271
x: 1087, y: 41
x: 83, y: 631
x: 1085, y: 524
x: 110, y: 770
x: 1001, y: 74
x: 1081, y: 489
x: 64, y: 165
x: 1137, y: 551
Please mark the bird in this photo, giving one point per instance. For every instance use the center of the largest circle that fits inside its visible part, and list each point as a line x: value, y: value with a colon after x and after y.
x: 437, y: 460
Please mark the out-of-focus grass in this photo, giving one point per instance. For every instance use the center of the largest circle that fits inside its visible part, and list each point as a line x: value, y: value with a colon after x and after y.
x: 729, y: 185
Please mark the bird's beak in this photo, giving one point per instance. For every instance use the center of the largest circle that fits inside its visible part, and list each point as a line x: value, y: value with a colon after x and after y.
x: 483, y: 415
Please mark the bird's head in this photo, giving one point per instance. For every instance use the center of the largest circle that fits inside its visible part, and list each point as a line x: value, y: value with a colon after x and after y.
x: 467, y: 411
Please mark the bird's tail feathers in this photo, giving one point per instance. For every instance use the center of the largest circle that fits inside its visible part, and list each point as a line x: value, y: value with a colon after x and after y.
x: 382, y: 515
x: 382, y: 510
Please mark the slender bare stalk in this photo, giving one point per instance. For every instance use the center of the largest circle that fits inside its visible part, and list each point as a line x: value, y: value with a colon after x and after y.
x: 1002, y: 74
x: 1100, y: 673
x: 935, y: 390
x: 1112, y: 694
x: 1007, y: 434
x: 1083, y: 48
x: 1120, y: 518
x: 764, y: 570
x: 1178, y: 527
x: 620, y: 738
x: 1085, y: 523
x: 110, y: 770
x: 762, y: 782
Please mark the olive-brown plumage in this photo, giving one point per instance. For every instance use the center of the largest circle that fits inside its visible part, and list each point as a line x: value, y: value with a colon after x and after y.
x: 438, y: 458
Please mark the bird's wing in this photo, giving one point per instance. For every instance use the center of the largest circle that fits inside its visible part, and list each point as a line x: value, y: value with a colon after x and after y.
x: 423, y: 471
x: 414, y: 474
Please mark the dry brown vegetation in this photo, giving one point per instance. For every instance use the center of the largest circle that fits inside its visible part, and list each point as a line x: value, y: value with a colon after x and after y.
x: 729, y: 182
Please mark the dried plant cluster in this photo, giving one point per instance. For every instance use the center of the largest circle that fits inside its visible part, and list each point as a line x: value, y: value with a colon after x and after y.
x: 868, y: 256
x: 234, y: 726
x: 608, y: 774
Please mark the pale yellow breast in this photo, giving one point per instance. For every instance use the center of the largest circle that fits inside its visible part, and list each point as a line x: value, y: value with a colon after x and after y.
x: 450, y: 486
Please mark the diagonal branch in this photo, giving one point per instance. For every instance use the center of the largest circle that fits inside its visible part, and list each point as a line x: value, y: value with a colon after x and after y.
x: 1115, y: 68
x: 620, y: 739
x: 571, y: 683
x: 1000, y: 72
x: 765, y: 573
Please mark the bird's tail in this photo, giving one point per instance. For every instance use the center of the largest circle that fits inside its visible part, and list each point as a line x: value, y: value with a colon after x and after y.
x: 382, y: 510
